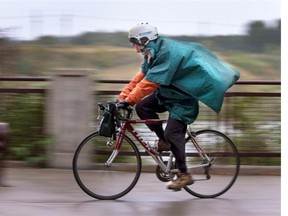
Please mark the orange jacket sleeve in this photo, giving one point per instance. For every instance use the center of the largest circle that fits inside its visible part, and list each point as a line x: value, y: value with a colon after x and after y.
x: 141, y: 90
x: 126, y: 91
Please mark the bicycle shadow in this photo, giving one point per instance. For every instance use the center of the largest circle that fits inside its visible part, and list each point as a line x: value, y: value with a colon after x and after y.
x: 143, y: 206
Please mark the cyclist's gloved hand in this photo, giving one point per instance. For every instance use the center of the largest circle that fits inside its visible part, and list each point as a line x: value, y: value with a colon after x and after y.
x: 123, y: 105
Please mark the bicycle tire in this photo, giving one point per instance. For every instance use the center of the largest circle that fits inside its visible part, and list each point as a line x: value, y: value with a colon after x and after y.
x: 99, y: 180
x: 224, y: 170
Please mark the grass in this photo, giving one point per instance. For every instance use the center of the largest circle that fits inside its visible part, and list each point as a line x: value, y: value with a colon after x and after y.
x: 258, y: 66
x: 111, y: 62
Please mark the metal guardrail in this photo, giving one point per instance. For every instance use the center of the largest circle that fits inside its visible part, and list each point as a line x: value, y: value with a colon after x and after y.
x: 115, y: 92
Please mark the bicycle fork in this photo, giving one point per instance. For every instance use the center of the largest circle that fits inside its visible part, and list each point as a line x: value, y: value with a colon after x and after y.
x: 115, y: 150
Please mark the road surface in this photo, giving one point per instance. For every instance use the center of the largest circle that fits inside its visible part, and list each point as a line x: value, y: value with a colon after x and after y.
x: 53, y: 192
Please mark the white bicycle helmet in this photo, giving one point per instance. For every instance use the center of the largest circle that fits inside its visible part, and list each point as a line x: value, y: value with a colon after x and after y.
x: 142, y: 33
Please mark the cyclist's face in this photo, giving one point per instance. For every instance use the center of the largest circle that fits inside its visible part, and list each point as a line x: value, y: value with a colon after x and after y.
x: 138, y: 48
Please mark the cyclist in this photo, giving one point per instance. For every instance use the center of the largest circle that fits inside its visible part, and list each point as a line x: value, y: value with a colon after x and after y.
x: 175, y: 75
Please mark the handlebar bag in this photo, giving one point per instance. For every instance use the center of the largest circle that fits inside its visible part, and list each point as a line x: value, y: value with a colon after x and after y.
x: 107, y: 124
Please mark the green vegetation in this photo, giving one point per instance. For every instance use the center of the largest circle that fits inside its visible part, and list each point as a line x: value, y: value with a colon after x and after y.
x: 27, y: 138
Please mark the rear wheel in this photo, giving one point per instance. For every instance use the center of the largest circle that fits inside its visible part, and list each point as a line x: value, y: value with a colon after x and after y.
x: 100, y: 180
x: 219, y: 176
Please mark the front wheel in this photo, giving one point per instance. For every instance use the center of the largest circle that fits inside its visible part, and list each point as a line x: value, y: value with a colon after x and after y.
x: 217, y: 176
x: 99, y: 179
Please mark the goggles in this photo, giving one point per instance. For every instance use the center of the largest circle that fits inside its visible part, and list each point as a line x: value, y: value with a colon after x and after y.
x: 135, y: 41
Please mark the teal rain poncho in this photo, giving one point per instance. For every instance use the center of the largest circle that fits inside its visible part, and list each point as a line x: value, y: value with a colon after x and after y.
x: 187, y: 71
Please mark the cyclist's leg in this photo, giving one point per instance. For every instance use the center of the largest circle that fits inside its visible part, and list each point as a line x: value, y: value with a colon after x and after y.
x: 148, y: 109
x: 175, y: 135
x: 176, y: 128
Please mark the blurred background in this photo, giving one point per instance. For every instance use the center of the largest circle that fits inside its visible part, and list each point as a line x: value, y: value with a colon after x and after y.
x: 38, y: 36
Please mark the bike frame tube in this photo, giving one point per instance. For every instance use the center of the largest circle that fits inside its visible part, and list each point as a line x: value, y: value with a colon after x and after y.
x: 202, y: 154
x: 146, y: 121
x: 154, y: 154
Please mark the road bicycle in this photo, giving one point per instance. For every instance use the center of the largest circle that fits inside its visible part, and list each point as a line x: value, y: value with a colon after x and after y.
x: 108, y: 168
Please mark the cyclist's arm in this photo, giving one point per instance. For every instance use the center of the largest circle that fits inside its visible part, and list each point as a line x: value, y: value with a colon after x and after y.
x: 141, y: 90
x: 126, y: 91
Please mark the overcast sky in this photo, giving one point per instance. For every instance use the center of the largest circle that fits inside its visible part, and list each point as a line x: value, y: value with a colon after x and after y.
x: 29, y: 19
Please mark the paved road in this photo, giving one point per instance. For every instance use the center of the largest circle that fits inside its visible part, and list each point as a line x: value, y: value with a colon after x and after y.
x: 54, y: 192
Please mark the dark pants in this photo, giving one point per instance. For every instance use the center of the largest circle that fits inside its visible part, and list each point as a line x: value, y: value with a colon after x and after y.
x: 175, y: 130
